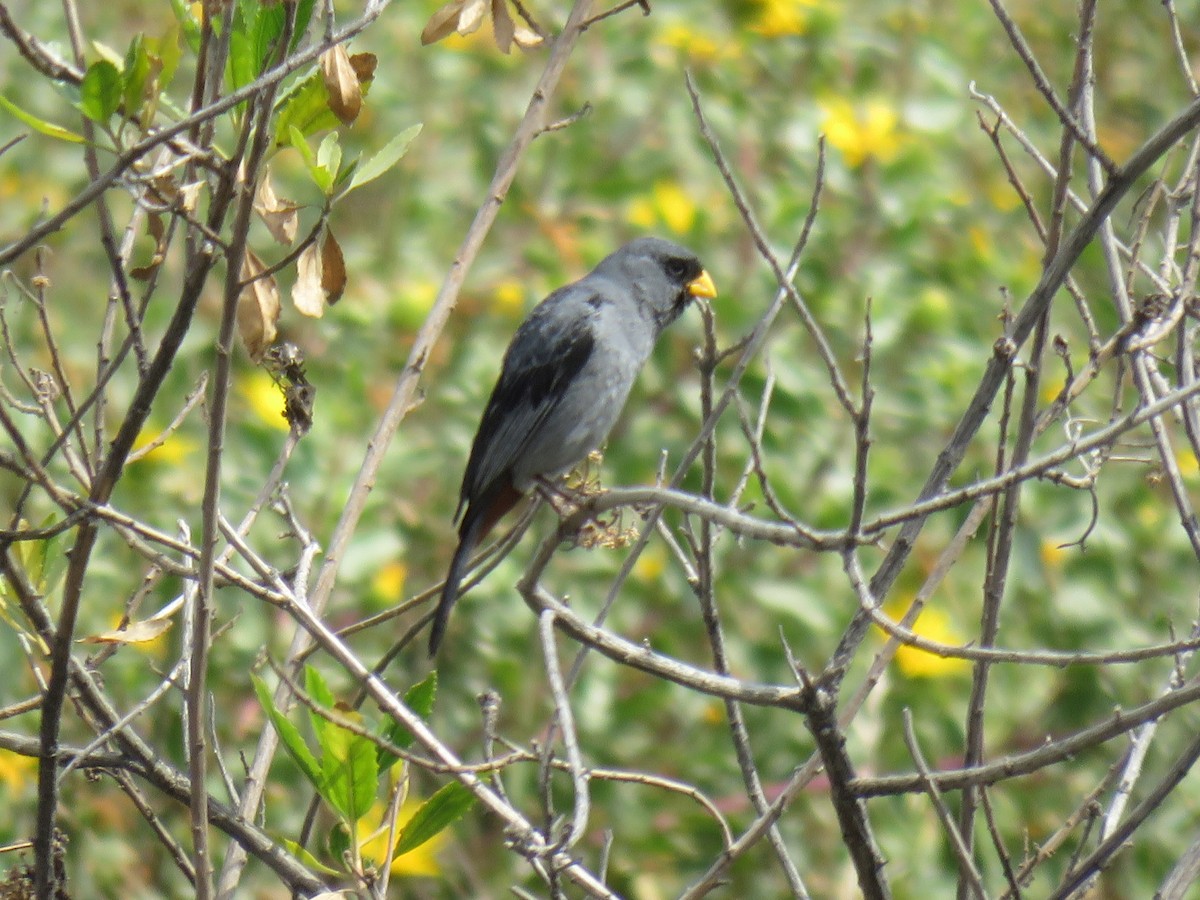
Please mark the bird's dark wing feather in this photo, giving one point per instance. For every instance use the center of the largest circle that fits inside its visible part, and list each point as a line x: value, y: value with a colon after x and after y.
x: 546, y: 354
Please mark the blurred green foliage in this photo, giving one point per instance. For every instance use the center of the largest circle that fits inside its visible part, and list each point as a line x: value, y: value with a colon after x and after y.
x: 916, y: 215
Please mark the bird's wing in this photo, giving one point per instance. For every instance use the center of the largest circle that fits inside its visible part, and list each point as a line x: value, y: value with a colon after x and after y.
x: 548, y: 351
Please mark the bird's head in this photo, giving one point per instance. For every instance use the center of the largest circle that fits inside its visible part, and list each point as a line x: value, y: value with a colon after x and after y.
x: 661, y: 274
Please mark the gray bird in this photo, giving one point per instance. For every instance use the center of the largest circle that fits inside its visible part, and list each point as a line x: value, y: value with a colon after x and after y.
x: 563, y: 383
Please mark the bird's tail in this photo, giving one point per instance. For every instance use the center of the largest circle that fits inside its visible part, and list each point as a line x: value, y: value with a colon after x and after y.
x: 478, y: 521
x: 467, y: 541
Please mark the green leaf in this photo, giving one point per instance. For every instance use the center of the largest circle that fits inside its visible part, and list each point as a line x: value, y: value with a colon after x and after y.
x: 338, y: 841
x: 168, y: 51
x: 297, y: 140
x: 305, y: 856
x: 349, y: 773
x: 106, y: 52
x: 256, y: 28
x: 39, y: 125
x: 419, y: 699
x: 136, y: 76
x: 267, y: 29
x: 329, y: 155
x: 242, y: 67
x: 320, y: 176
x: 391, y: 154
x: 303, y: 14
x: 305, y: 106
x: 445, y: 807
x: 188, y: 23
x: 100, y: 92
x: 317, y: 688
x: 289, y: 735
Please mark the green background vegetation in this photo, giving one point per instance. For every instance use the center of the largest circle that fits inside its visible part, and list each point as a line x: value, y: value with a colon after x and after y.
x: 917, y: 215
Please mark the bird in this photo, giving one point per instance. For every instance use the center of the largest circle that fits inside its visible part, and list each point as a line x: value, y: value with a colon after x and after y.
x: 563, y: 383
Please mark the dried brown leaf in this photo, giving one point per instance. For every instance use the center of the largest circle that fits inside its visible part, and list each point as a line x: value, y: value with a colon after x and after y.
x: 345, y: 93
x: 164, y: 188
x: 157, y: 228
x: 307, y: 294
x: 258, y: 307
x: 364, y: 65
x: 189, y: 194
x: 442, y: 22
x: 333, y: 269
x: 502, y: 25
x: 471, y: 17
x: 280, y: 216
x: 526, y: 39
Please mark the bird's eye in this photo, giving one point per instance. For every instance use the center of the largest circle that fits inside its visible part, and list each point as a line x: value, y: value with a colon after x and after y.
x: 678, y: 269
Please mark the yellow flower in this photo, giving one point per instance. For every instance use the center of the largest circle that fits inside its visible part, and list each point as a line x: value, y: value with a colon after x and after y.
x: 1052, y: 553
x: 713, y: 713
x: 959, y: 196
x: 264, y: 398
x: 934, y: 625
x: 1188, y: 465
x: 981, y: 241
x: 690, y: 42
x: 411, y: 304
x: 16, y: 770
x: 1001, y: 195
x: 862, y: 133
x: 778, y: 18
x: 175, y: 449
x: 420, y: 861
x: 1051, y: 388
x: 509, y: 298
x: 650, y: 565
x: 641, y: 213
x: 1149, y: 514
x: 389, y: 580
x: 668, y: 204
x: 480, y: 40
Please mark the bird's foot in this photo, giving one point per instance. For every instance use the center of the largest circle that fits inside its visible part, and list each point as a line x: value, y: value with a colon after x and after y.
x: 605, y: 529
x: 565, y: 499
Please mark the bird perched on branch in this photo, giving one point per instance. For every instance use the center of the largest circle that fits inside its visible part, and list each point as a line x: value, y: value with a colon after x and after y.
x: 563, y: 383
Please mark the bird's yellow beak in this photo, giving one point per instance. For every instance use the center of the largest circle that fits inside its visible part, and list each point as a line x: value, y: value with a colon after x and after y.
x: 702, y: 286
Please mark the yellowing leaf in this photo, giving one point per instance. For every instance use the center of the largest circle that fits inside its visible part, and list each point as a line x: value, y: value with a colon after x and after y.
x: 421, y: 861
x: 42, y: 127
x: 135, y: 633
